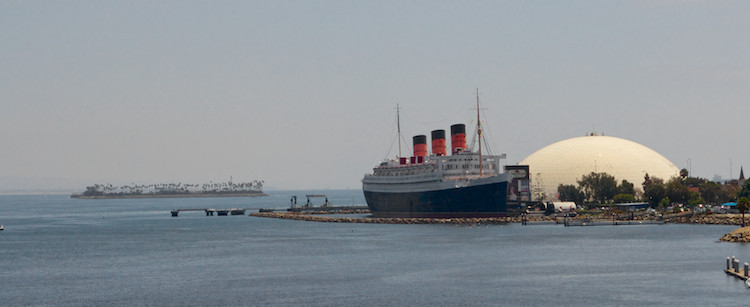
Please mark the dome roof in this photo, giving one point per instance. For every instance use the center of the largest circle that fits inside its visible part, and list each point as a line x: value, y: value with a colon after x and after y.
x: 567, y: 161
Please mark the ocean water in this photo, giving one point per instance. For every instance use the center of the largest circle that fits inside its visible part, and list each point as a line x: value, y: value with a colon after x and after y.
x: 67, y: 252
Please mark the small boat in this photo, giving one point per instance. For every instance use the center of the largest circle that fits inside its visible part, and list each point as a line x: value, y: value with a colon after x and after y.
x: 1, y: 227
x: 747, y: 282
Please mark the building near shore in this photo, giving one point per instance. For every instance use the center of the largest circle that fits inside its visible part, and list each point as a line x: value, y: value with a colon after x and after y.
x: 565, y: 162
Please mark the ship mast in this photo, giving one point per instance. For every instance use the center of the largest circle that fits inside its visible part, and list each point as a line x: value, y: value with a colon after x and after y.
x: 479, y: 137
x: 398, y: 125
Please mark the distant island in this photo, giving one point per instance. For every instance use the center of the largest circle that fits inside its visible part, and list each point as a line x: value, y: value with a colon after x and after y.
x: 172, y: 190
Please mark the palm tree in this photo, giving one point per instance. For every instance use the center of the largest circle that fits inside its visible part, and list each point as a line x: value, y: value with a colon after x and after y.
x: 743, y: 203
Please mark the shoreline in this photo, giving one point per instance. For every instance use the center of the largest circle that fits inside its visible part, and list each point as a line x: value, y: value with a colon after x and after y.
x: 313, y: 217
x: 681, y: 218
x: 706, y: 219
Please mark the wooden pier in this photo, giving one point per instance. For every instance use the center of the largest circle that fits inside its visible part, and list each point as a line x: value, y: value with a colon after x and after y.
x: 733, y: 269
x: 212, y: 211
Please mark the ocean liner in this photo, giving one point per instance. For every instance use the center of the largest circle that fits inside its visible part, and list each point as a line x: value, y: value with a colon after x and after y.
x: 465, y: 183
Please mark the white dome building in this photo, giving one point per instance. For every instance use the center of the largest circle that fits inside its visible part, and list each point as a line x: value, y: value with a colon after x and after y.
x: 567, y: 161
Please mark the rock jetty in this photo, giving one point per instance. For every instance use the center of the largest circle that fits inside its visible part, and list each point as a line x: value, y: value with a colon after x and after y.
x: 702, y: 218
x: 373, y: 220
x: 741, y: 235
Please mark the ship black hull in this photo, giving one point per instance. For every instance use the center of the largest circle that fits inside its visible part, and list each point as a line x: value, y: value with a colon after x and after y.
x: 486, y: 200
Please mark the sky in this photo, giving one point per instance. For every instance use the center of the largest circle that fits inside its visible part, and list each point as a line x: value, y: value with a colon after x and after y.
x: 303, y: 94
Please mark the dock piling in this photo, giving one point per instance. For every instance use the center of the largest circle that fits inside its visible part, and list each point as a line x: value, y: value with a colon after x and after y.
x: 736, y: 266
x: 735, y: 270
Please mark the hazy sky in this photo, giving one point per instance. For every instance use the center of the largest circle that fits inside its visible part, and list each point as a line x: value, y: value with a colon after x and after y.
x: 302, y: 94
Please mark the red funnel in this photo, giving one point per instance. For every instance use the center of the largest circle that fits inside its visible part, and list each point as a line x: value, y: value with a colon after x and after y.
x: 458, y: 138
x: 438, y: 142
x: 420, y: 146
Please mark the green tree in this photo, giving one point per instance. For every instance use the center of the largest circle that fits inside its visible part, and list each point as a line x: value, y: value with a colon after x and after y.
x: 743, y: 203
x: 625, y: 187
x: 570, y: 193
x: 745, y: 191
x: 93, y: 191
x: 694, y: 181
x: 695, y: 199
x: 664, y: 203
x: 729, y: 192
x: 653, y: 190
x: 710, y: 192
x: 676, y: 190
x: 646, y: 181
x: 598, y: 186
x: 683, y: 173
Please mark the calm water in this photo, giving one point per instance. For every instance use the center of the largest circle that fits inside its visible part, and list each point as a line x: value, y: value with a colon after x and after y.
x: 61, y: 251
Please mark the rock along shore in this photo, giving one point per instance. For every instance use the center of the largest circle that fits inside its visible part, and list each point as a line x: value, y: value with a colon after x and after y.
x: 315, y: 216
x: 373, y: 220
x: 741, y: 235
x: 703, y: 218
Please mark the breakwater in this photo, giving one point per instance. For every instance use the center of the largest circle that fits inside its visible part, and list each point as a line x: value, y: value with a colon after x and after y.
x: 677, y: 218
x: 328, y: 210
x: 741, y: 235
x: 339, y: 219
x: 703, y: 218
